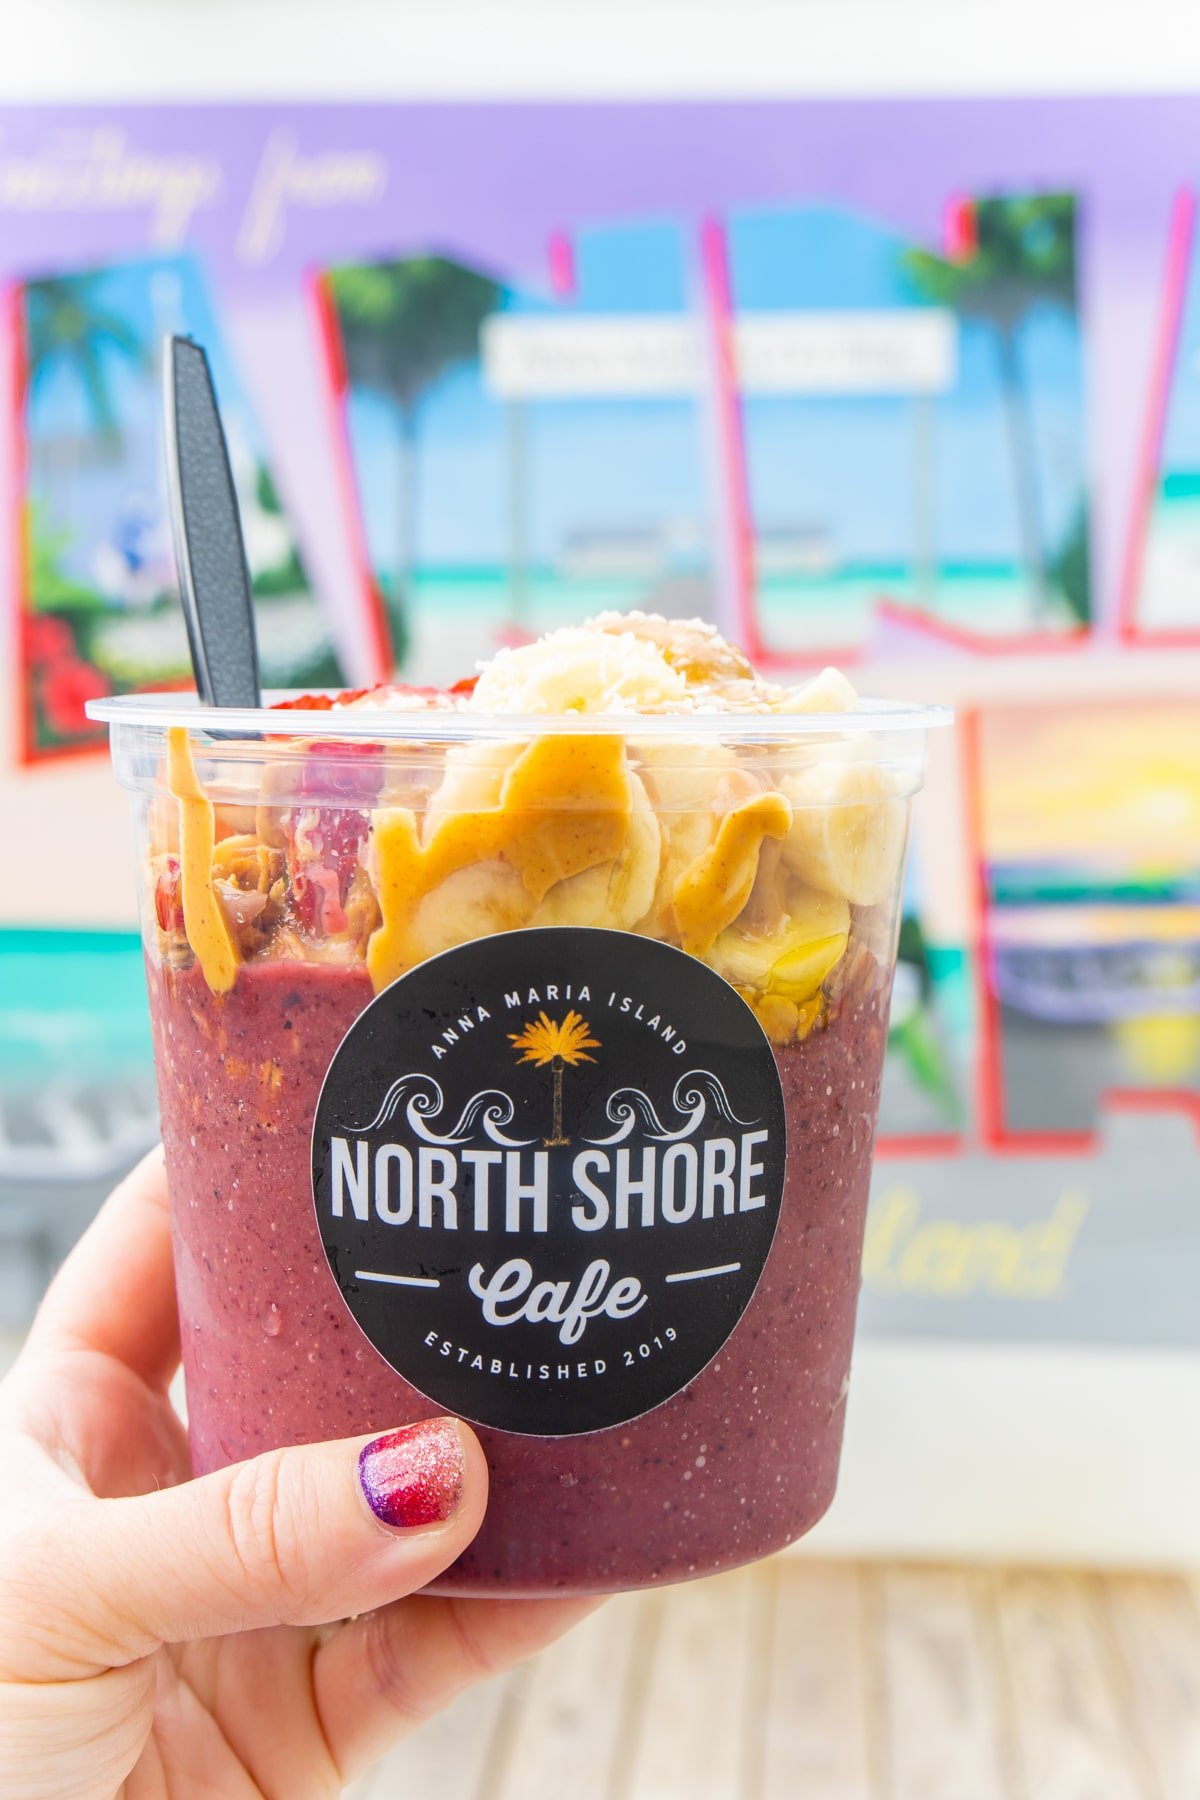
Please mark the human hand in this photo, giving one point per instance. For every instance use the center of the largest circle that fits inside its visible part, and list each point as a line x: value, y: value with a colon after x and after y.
x: 163, y: 1636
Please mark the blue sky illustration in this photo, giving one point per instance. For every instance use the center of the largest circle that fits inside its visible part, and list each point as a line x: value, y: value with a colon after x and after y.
x: 589, y: 464
x: 844, y: 466
x: 838, y: 467
x: 89, y: 498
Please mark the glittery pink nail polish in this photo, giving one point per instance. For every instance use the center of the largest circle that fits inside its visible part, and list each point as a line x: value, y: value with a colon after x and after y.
x: 413, y: 1476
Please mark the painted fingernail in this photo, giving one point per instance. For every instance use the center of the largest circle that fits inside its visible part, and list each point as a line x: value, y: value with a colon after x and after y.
x: 413, y: 1476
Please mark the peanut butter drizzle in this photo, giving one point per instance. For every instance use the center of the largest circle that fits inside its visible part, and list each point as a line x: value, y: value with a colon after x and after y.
x: 565, y: 806
x: 203, y: 921
x: 712, y: 891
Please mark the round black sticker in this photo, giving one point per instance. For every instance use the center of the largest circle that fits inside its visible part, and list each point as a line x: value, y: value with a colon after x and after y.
x: 547, y: 1170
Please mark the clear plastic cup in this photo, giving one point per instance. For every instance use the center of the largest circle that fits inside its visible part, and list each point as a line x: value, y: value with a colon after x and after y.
x: 527, y: 1070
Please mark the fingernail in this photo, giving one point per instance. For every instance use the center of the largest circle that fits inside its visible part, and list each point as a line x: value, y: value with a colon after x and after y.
x: 413, y: 1476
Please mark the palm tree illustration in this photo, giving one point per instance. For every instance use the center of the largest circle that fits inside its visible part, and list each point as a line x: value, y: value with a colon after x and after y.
x: 70, y: 326
x: 1022, y: 255
x: 404, y: 325
x: 562, y: 1044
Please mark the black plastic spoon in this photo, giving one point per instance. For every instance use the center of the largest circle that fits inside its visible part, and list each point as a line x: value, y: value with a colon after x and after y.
x: 210, y: 553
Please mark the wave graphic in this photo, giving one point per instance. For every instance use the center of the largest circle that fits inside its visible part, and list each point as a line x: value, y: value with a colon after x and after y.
x: 626, y: 1108
x: 701, y: 1090
x: 422, y: 1098
x: 695, y: 1096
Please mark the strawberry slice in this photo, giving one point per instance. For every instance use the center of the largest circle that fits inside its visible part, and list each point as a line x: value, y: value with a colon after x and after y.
x: 168, y: 903
x: 324, y: 846
x: 319, y: 702
x: 335, y: 785
x: 317, y: 896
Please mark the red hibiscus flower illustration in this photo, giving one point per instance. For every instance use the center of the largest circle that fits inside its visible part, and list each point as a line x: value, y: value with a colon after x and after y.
x: 67, y: 685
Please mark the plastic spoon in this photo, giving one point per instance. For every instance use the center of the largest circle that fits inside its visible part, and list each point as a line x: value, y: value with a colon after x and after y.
x: 210, y: 553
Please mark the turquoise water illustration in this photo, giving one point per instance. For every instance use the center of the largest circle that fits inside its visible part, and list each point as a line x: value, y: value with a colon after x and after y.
x: 459, y: 615
x: 1170, y: 591
x: 1168, y: 597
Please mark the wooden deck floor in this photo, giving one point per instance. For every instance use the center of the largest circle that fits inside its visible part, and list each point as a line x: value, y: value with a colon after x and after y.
x: 811, y: 1681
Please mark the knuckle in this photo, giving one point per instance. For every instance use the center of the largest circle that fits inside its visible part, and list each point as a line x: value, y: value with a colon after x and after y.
x: 26, y: 1563
x: 45, y: 1616
x: 260, y: 1524
x: 391, y: 1668
x: 475, y: 1660
x: 416, y: 1675
x: 415, y: 1686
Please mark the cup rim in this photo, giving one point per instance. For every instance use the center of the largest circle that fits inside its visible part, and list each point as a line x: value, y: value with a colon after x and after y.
x: 162, y: 711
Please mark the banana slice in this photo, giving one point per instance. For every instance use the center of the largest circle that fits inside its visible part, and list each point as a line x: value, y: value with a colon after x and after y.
x: 848, y: 830
x: 683, y: 781
x: 575, y: 670
x: 616, y: 894
x: 792, y: 963
x: 828, y: 692
x: 712, y: 891
x: 563, y: 809
x: 471, y: 782
x: 691, y: 646
x: 476, y: 902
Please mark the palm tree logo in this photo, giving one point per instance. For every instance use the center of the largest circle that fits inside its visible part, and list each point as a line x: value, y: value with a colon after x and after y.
x: 562, y: 1044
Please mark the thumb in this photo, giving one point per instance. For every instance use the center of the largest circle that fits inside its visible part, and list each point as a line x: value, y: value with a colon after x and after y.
x: 301, y: 1536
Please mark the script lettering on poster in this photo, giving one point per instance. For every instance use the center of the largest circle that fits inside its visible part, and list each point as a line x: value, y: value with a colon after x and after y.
x: 287, y: 178
x: 951, y: 1259
x: 103, y: 170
